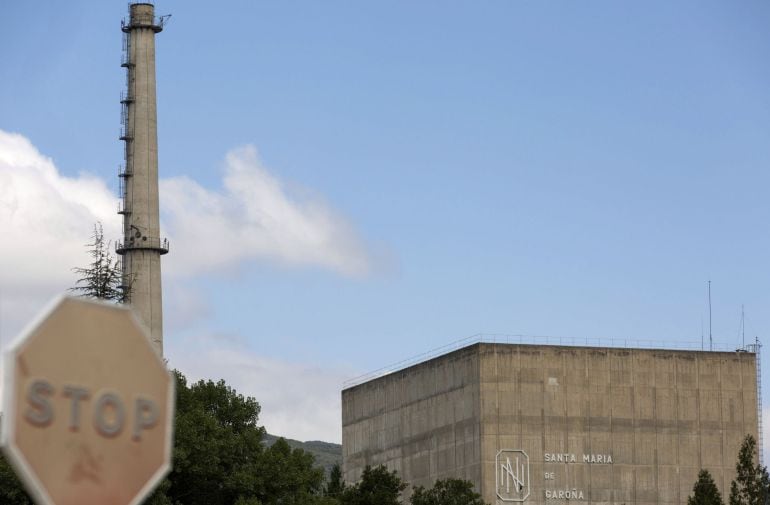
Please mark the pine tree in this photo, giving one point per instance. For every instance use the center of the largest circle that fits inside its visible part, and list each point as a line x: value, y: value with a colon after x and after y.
x: 102, y: 278
x: 752, y: 482
x: 705, y: 491
x: 335, y: 486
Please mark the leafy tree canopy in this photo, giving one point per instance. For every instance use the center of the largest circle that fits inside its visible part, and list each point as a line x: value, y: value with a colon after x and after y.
x: 447, y: 492
x: 705, y: 491
x: 219, y: 457
x: 751, y: 483
x: 11, y: 491
x: 377, y: 486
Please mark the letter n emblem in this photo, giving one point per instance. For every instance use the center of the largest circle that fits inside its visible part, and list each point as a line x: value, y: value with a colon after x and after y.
x: 512, y: 475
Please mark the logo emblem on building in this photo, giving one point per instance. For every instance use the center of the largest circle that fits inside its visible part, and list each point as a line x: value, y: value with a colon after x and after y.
x: 512, y: 475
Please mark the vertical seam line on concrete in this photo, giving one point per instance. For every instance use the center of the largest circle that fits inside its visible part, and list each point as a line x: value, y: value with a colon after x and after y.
x: 543, y: 430
x: 634, y: 433
x: 697, y: 413
x: 743, y: 399
x: 497, y: 415
x: 565, y: 396
x: 518, y: 410
x: 480, y: 422
x: 612, y: 430
x: 655, y: 460
x: 432, y: 413
x: 721, y: 423
x: 608, y: 379
x: 678, y: 430
x: 590, y: 438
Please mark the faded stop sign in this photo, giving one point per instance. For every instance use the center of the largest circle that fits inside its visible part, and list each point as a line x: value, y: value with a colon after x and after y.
x: 88, y: 407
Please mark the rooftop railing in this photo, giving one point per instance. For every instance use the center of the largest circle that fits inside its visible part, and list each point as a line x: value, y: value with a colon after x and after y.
x: 501, y: 338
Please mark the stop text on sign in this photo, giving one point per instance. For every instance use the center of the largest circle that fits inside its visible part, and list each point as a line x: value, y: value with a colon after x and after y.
x: 109, y: 414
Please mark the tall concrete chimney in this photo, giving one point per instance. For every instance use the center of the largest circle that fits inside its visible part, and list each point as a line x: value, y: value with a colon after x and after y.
x: 142, y: 245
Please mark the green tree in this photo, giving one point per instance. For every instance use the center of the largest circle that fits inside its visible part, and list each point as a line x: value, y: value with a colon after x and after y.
x: 220, y: 457
x: 335, y: 486
x: 377, y: 486
x: 288, y: 476
x: 247, y: 501
x: 102, y: 278
x: 447, y: 492
x: 751, y: 483
x: 11, y: 490
x: 326, y: 500
x: 217, y: 445
x: 705, y: 491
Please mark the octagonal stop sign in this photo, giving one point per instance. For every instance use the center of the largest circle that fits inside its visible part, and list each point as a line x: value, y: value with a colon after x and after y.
x: 88, y: 406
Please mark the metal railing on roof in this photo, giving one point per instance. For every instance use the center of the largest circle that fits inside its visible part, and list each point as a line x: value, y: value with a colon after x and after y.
x: 501, y: 338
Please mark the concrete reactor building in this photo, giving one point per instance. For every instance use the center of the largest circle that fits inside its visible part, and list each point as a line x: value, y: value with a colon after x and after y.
x: 550, y: 425
x: 141, y: 246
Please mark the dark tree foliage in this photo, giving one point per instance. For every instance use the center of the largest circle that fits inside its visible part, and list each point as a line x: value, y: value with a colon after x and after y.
x: 288, y: 476
x: 377, y: 486
x: 705, y: 491
x: 102, y: 278
x: 11, y: 490
x: 219, y: 457
x: 335, y: 486
x: 752, y: 482
x: 447, y: 492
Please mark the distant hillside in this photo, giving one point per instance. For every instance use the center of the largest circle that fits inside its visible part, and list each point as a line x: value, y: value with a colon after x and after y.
x: 326, y: 454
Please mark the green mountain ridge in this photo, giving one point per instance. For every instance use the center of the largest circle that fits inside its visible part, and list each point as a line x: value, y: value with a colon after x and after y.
x: 326, y: 454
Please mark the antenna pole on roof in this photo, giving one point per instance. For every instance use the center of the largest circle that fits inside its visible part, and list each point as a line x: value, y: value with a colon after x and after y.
x: 743, y: 329
x: 702, y: 348
x: 711, y: 340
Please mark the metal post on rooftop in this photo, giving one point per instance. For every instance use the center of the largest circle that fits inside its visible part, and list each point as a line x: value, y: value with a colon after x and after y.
x: 711, y: 341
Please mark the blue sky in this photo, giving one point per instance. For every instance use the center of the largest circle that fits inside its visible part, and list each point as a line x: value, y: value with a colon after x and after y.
x: 568, y: 169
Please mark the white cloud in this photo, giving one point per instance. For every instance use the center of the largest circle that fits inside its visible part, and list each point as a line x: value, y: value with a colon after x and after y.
x: 184, y: 306
x: 254, y: 218
x: 298, y: 400
x: 45, y: 220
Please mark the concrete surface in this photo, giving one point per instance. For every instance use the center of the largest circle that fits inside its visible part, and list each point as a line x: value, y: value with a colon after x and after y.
x: 141, y: 228
x: 638, y: 423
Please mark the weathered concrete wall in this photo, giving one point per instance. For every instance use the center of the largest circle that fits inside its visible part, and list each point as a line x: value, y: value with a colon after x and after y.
x: 650, y: 418
x: 660, y: 416
x: 422, y: 421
